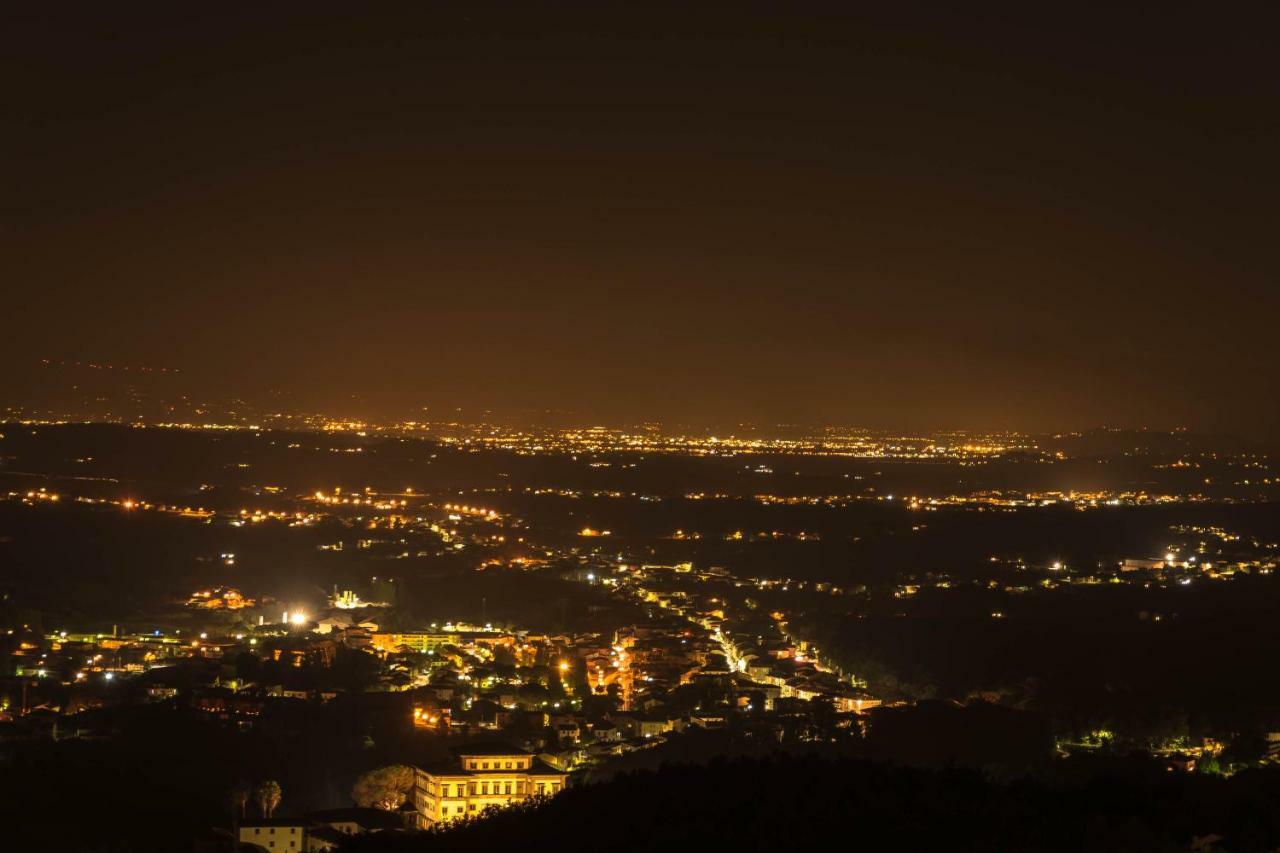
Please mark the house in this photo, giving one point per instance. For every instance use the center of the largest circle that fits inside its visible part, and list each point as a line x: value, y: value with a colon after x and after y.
x: 636, y: 726
x: 855, y: 701
x: 354, y: 821
x: 568, y: 732
x: 277, y: 834
x: 606, y: 731
x: 482, y: 776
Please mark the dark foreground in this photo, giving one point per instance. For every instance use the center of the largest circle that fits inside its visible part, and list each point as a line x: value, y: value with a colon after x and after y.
x: 794, y: 803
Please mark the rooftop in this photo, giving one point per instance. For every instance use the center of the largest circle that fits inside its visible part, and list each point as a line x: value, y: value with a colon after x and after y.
x: 488, y: 748
x: 250, y: 823
x: 366, y: 818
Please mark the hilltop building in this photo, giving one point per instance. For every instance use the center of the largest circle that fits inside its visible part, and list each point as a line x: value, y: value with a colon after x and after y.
x: 485, y: 775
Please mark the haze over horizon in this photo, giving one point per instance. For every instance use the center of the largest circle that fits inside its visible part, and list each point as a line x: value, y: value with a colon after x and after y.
x: 1022, y: 219
x: 138, y: 395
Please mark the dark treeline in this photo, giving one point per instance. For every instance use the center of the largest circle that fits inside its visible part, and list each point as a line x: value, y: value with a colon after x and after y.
x: 1147, y: 665
x: 798, y: 802
x: 158, y: 777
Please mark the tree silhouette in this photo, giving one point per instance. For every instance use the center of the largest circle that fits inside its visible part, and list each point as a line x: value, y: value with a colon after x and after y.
x: 240, y: 795
x: 267, y: 795
x: 384, y: 788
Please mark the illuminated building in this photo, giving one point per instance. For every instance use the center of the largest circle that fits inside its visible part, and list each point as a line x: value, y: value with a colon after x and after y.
x: 276, y: 833
x: 416, y: 641
x: 487, y: 775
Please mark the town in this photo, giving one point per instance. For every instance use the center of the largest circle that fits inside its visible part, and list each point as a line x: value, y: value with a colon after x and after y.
x: 524, y: 638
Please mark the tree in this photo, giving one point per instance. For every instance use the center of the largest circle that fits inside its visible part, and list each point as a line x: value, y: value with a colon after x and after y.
x: 384, y: 788
x: 267, y: 795
x: 1208, y: 763
x: 240, y: 798
x: 504, y: 656
x: 822, y: 710
x: 355, y: 670
x: 248, y: 666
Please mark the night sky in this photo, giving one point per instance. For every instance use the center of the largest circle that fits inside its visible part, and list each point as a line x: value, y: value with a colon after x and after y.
x: 798, y: 212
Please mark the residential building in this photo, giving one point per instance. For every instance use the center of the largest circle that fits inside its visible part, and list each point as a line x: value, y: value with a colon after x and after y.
x: 277, y: 834
x: 483, y: 776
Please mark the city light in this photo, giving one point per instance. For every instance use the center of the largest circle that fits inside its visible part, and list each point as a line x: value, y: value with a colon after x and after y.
x: 785, y: 422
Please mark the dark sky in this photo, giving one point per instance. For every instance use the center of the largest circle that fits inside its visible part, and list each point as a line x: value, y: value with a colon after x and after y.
x: 952, y: 216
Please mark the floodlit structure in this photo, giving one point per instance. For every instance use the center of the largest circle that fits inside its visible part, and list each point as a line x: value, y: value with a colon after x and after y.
x: 486, y: 775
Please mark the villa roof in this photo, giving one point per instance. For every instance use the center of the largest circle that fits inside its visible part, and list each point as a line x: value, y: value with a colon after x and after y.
x: 488, y: 748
